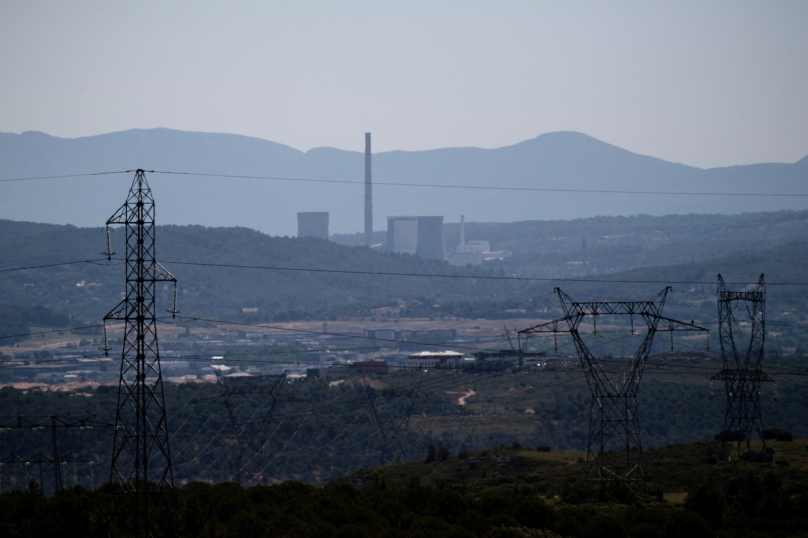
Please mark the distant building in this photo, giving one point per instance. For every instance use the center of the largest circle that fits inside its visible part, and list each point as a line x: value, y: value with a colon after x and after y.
x: 402, y: 235
x: 245, y: 378
x: 430, y: 359
x: 367, y: 367
x: 473, y: 252
x: 314, y: 224
x: 474, y: 247
x: 430, y: 239
x: 339, y: 370
x: 405, y: 334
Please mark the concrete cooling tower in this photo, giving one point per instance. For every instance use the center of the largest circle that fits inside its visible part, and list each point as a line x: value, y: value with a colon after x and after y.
x: 430, y: 238
x: 402, y: 234
x: 313, y: 224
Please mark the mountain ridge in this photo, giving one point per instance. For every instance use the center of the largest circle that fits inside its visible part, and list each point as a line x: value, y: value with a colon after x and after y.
x: 553, y: 161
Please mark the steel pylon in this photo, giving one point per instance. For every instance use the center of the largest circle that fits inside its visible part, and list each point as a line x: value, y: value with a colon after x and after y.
x: 742, y: 371
x: 614, y: 417
x: 141, y: 472
x: 251, y: 432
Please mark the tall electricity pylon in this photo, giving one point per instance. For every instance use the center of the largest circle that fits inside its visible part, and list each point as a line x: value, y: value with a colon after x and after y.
x: 141, y: 459
x: 251, y: 432
x: 742, y: 373
x: 614, y: 419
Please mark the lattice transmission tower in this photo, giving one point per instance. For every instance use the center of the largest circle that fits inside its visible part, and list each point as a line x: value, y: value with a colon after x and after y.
x: 251, y: 430
x: 141, y: 459
x: 614, y: 419
x: 742, y: 370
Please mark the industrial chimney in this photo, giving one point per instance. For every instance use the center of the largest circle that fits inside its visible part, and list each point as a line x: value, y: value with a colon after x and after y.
x: 462, y: 230
x: 368, y: 195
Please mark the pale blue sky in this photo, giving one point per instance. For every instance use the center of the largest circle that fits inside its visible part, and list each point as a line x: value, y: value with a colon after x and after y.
x: 703, y: 83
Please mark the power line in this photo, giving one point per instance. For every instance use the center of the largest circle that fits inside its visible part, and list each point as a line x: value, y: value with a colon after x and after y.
x: 67, y: 176
x: 426, y: 185
x: 480, y: 277
x: 67, y: 329
x: 423, y: 275
x: 52, y: 265
x: 474, y: 187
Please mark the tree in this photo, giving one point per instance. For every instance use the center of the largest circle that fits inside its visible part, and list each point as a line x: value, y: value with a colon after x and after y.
x: 430, y: 454
x: 443, y: 453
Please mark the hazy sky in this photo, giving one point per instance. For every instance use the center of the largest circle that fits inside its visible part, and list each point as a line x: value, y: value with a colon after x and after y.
x: 703, y: 83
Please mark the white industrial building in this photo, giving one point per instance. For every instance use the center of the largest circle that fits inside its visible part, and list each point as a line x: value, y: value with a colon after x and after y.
x: 429, y: 359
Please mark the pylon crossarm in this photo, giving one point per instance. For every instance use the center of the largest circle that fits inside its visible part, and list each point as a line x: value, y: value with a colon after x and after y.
x: 53, y: 421
x: 119, y: 312
x: 120, y: 216
x: 667, y: 324
x: 159, y: 273
x: 556, y: 326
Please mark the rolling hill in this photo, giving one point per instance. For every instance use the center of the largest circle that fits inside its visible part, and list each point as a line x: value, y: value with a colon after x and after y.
x: 563, y: 160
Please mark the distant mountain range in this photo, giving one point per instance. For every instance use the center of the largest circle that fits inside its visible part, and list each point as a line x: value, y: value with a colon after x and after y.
x: 562, y: 160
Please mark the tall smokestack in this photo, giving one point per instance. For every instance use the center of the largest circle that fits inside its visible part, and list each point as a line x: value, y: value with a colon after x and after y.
x: 462, y: 230
x: 368, y: 195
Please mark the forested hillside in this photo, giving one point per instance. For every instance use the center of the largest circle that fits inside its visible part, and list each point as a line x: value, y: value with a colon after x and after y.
x: 320, y: 430
x: 505, y: 492
x: 88, y: 291
x: 602, y: 245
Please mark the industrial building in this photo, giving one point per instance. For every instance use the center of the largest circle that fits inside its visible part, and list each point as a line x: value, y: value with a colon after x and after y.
x: 338, y: 370
x: 430, y: 359
x: 430, y: 239
x: 402, y: 234
x: 416, y: 235
x: 472, y: 252
x: 313, y: 224
x: 342, y: 370
x: 371, y: 367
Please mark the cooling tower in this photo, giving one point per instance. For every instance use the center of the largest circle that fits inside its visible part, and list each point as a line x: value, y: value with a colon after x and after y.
x: 402, y: 234
x: 313, y: 224
x: 430, y: 238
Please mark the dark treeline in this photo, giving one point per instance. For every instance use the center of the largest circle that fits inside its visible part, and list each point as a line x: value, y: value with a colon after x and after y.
x: 759, y: 502
x: 321, y: 430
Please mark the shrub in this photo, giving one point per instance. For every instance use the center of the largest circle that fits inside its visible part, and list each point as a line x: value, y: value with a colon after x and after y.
x: 778, y: 434
x: 604, y: 527
x: 443, y: 453
x: 707, y: 501
x: 542, y: 449
x: 729, y: 435
x: 688, y: 524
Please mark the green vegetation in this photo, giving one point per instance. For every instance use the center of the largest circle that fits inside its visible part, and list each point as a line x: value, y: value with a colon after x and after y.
x: 19, y: 321
x: 322, y: 430
x: 505, y: 492
x: 704, y: 233
x: 86, y: 292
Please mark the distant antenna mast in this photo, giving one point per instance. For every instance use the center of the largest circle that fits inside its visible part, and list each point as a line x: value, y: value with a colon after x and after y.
x: 368, y: 195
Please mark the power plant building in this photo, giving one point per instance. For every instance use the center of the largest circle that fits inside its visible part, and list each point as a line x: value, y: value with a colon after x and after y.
x: 402, y: 234
x: 314, y: 224
x: 473, y: 252
x: 416, y: 235
x: 430, y: 244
